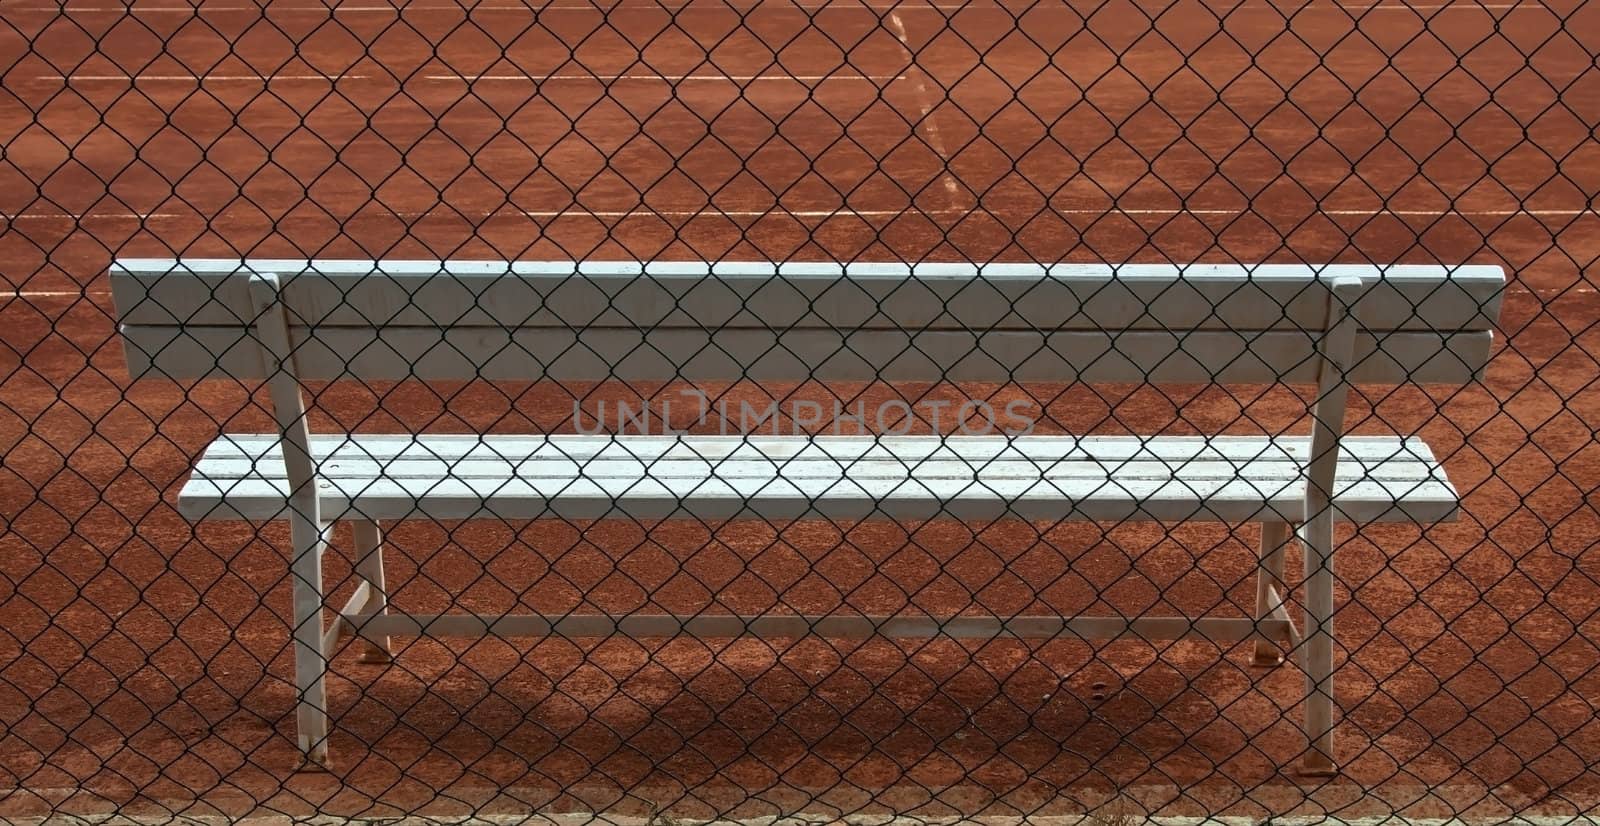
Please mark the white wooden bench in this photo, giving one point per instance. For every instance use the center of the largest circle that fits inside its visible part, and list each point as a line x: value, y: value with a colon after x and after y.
x: 288, y: 321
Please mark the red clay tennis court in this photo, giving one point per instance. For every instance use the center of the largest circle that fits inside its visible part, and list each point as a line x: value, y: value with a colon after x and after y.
x: 146, y: 664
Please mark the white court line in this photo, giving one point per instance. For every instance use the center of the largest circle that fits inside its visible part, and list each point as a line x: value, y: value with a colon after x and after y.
x: 193, y: 78
x: 468, y: 5
x: 667, y: 78
x: 1257, y: 5
x: 26, y: 294
x: 87, y: 216
x: 956, y: 211
x: 1366, y: 7
x: 935, y: 142
x: 77, y: 78
x: 579, y: 212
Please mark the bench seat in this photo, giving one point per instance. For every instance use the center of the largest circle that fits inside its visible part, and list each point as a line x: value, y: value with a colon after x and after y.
x: 1101, y: 478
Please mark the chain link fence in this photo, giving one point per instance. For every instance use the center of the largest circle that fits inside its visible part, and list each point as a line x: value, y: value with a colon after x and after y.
x: 148, y: 654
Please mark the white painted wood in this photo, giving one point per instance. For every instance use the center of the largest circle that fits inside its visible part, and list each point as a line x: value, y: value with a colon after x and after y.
x: 1233, y: 479
x: 1316, y: 532
x: 1280, y: 611
x: 832, y: 626
x: 563, y: 320
x: 1270, y: 588
x: 1316, y: 541
x: 1336, y: 361
x: 594, y: 354
x: 348, y: 462
x: 300, y: 505
x: 1141, y: 500
x: 904, y: 448
x: 368, y: 540
x: 820, y: 295
x: 683, y: 474
x: 762, y: 322
x: 340, y: 628
x: 868, y: 322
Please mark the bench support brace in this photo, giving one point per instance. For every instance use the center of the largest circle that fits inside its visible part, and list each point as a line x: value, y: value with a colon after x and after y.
x: 1270, y: 591
x: 369, y: 567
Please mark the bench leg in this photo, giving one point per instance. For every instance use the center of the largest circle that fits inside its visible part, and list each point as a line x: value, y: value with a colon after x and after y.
x: 310, y: 661
x: 1317, y: 542
x: 1271, y: 589
x: 369, y: 566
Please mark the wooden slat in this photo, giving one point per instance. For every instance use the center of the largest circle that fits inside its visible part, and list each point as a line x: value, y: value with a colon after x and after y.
x: 907, y: 448
x: 807, y: 295
x: 733, y: 354
x: 557, y: 471
x: 1109, y: 479
x: 836, y: 626
x: 695, y: 457
x: 914, y: 477
x: 1111, y: 501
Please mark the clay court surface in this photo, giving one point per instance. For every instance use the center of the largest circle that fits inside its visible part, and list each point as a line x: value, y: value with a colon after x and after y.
x: 145, y: 663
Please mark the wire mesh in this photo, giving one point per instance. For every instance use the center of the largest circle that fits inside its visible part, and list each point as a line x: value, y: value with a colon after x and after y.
x: 147, y: 646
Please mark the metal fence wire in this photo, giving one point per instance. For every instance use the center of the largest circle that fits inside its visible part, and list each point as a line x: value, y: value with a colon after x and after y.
x: 866, y: 408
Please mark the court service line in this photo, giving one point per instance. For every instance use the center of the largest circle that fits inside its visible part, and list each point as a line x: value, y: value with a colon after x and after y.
x: 75, y: 78
x: 926, y: 96
x: 467, y: 6
x: 580, y: 212
x: 636, y: 76
x: 952, y: 212
x: 1365, y: 7
x: 27, y: 294
x: 668, y: 78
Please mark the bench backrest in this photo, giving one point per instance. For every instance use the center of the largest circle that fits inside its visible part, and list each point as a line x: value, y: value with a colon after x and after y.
x: 526, y: 321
